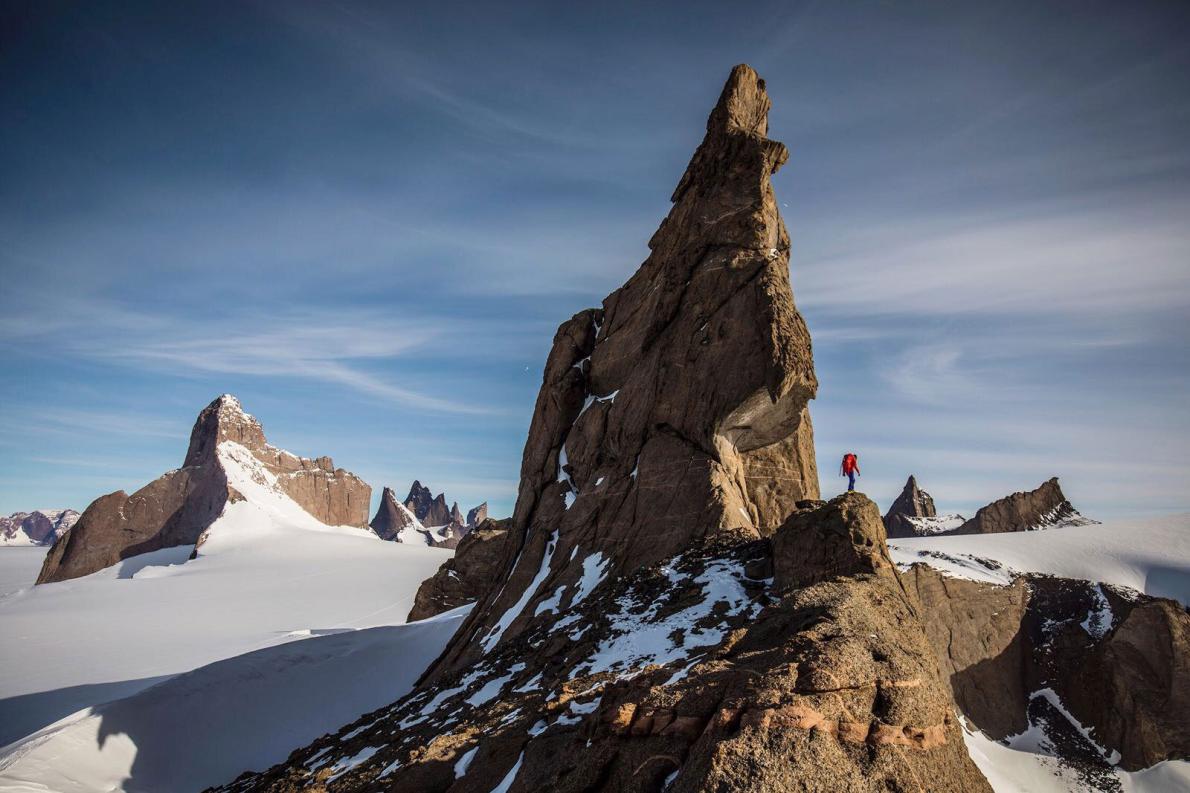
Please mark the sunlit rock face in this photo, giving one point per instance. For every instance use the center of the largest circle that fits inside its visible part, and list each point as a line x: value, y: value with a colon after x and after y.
x: 673, y: 608
x: 1031, y: 510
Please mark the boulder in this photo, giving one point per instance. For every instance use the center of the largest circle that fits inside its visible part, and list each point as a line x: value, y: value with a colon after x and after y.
x: 465, y: 576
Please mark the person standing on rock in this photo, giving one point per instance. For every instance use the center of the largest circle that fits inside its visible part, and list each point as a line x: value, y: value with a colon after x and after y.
x: 850, y: 469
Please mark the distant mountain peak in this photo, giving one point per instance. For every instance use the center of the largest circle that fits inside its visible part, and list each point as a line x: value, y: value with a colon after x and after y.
x: 424, y: 518
x: 39, y: 527
x: 178, y: 507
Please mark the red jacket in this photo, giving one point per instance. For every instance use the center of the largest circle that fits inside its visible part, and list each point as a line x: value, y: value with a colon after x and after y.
x: 850, y: 463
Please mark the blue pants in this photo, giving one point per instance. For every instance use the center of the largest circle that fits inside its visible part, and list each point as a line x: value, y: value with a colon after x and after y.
x: 850, y: 480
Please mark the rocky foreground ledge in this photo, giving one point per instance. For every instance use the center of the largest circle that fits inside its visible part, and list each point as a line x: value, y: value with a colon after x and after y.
x: 796, y: 662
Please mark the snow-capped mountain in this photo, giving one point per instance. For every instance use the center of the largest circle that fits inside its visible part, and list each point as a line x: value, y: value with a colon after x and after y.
x: 178, y: 507
x: 39, y: 527
x: 1046, y: 507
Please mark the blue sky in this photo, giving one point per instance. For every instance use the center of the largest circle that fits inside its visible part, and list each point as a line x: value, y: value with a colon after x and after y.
x: 366, y: 220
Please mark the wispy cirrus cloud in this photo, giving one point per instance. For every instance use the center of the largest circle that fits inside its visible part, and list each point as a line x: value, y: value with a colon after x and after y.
x: 319, y: 345
x: 1036, y: 264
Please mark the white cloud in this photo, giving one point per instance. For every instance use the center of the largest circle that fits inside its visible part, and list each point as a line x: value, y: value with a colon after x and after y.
x: 1033, y: 264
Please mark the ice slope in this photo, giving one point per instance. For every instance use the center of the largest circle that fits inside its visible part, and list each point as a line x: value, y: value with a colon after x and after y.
x: 267, y: 573
x: 1016, y: 771
x: 1150, y: 555
x: 248, y: 712
x: 19, y: 567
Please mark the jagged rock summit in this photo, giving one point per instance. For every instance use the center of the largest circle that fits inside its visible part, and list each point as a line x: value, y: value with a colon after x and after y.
x: 913, y: 514
x: 431, y: 510
x: 674, y: 610
x: 393, y: 520
x: 178, y: 507
x: 912, y: 503
x: 423, y: 519
x: 1043, y: 508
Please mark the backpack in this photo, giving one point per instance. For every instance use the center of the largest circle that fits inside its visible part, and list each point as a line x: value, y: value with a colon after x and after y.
x: 849, y: 462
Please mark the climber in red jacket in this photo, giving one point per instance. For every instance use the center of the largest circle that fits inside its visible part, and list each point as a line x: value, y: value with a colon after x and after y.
x: 850, y: 469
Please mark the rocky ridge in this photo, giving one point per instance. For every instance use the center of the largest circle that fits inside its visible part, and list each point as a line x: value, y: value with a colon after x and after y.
x: 1043, y: 508
x: 673, y: 609
x: 176, y: 508
x: 39, y: 527
x: 423, y: 519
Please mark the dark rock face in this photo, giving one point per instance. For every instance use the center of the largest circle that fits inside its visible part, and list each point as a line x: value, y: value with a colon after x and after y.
x: 39, y: 527
x: 1043, y: 508
x: 1135, y: 687
x: 976, y: 631
x: 475, y: 568
x: 1119, y: 664
x: 430, y: 510
x: 179, y: 506
x: 679, y: 408
x: 390, y: 519
x: 912, y: 503
x: 658, y: 618
x: 172, y: 510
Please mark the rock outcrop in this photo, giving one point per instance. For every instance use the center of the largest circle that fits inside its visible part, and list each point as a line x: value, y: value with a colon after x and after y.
x: 1043, y: 508
x: 39, y: 527
x: 477, y: 515
x: 671, y: 610
x: 976, y: 631
x: 1118, y: 664
x: 465, y: 577
x: 176, y: 508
